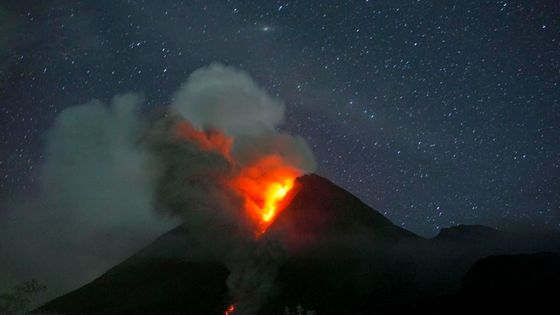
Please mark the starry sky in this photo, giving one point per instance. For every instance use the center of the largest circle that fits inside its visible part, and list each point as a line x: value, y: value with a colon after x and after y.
x: 435, y: 113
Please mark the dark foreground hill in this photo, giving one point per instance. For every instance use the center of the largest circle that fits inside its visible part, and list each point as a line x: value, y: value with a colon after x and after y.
x: 503, y: 284
x: 345, y: 258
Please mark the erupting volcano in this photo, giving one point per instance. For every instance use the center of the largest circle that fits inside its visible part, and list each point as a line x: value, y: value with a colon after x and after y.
x: 229, y: 310
x: 228, y: 170
x: 264, y: 184
x: 265, y: 187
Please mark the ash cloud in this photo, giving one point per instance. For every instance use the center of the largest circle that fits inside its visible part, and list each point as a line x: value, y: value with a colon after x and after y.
x: 95, y: 204
x: 229, y: 100
x: 111, y: 175
x: 194, y: 182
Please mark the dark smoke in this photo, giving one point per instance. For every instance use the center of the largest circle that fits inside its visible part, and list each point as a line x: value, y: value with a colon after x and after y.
x: 193, y: 182
x: 109, y: 170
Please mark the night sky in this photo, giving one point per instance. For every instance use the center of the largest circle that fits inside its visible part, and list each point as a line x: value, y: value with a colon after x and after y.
x: 436, y: 113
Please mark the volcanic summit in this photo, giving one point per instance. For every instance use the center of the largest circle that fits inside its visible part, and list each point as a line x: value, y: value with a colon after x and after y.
x: 340, y: 257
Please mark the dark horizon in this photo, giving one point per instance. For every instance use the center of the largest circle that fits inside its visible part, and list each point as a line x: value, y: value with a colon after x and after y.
x: 434, y: 114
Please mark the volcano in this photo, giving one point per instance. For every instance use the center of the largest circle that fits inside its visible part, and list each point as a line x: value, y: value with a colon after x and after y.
x: 343, y: 258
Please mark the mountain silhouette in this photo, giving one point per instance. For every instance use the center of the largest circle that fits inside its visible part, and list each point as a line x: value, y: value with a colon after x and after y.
x: 343, y: 258
x: 500, y: 284
x: 474, y: 233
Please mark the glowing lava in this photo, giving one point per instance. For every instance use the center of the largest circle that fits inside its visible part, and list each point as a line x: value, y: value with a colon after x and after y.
x: 274, y: 194
x: 264, y: 185
x: 229, y: 310
x: 210, y: 140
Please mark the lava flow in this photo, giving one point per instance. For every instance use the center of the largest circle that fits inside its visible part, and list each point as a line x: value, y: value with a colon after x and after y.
x: 263, y: 184
x: 229, y: 310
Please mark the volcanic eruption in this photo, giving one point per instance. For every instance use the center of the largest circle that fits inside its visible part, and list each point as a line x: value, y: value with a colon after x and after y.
x: 227, y: 171
x: 215, y: 159
x: 263, y: 184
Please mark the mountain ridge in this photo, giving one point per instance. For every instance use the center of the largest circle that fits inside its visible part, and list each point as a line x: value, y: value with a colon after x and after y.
x: 344, y: 257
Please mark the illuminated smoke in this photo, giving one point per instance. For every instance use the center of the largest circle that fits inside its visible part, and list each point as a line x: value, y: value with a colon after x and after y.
x: 214, y: 159
x: 227, y: 172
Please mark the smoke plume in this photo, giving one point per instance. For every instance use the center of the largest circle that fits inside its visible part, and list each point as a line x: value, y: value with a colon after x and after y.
x: 216, y: 148
x: 229, y: 100
x: 214, y: 160
x: 95, y: 205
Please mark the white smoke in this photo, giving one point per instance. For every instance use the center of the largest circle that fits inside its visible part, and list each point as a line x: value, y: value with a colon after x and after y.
x: 191, y: 187
x: 229, y: 100
x: 96, y: 169
x: 95, y: 206
x: 108, y: 172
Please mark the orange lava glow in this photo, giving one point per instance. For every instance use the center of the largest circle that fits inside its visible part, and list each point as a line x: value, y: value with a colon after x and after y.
x: 212, y: 140
x: 229, y: 310
x: 264, y: 186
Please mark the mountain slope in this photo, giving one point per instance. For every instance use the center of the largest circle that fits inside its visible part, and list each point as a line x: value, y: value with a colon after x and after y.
x: 322, y: 209
x: 171, y: 272
x: 343, y: 258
